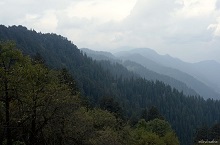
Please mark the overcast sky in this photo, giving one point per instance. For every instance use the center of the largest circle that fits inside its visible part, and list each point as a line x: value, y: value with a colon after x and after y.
x: 187, y: 29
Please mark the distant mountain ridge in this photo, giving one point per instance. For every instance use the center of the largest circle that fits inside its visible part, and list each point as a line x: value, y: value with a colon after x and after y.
x: 145, y: 66
x: 99, y: 55
x: 204, y: 80
x: 210, y: 69
x: 141, y: 70
x: 133, y: 93
x: 205, y: 71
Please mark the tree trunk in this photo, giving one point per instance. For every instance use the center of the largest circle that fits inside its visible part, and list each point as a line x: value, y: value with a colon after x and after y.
x: 7, y: 114
x: 33, y: 124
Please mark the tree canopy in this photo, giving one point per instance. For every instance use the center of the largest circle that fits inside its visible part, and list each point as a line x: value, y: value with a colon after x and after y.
x: 42, y: 106
x: 94, y: 80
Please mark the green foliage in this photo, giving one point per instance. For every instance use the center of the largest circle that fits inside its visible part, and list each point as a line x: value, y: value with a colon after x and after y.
x: 45, y: 108
x: 170, y: 139
x: 107, y: 136
x: 154, y: 132
x: 206, y: 133
x: 160, y: 127
x: 97, y: 79
x: 66, y: 78
x: 109, y: 104
x: 215, y: 131
x: 12, y: 68
x: 102, y: 119
x: 31, y: 95
x: 93, y: 126
x: 15, y: 143
x: 148, y: 138
x: 151, y: 114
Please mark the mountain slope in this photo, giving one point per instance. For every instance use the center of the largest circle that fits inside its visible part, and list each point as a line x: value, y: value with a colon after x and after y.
x: 155, y: 62
x: 211, y: 70
x: 134, y: 94
x: 141, y: 70
x: 99, y: 55
x: 208, y: 72
x: 150, y: 75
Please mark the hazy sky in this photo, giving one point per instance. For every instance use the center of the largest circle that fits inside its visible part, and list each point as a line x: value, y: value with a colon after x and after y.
x: 187, y: 29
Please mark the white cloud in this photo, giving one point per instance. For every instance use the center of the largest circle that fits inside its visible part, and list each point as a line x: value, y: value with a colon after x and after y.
x: 176, y: 27
x: 46, y: 22
x: 102, y: 10
x: 181, y: 28
x: 215, y: 27
x: 196, y: 8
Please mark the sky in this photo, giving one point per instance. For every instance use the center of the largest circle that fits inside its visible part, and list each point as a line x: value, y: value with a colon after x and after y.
x: 186, y: 29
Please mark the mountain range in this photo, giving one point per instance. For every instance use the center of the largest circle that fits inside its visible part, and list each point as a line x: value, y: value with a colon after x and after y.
x: 192, y: 78
x: 134, y: 93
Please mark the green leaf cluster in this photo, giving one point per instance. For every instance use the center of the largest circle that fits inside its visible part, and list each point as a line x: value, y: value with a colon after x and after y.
x: 154, y: 132
x: 42, y: 106
x: 98, y: 79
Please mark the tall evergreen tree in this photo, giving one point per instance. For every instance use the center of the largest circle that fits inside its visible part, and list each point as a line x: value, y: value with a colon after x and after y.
x: 12, y: 64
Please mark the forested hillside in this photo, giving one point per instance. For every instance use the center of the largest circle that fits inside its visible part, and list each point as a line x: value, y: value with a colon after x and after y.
x: 141, y: 70
x: 43, y: 106
x: 190, y: 74
x: 131, y: 93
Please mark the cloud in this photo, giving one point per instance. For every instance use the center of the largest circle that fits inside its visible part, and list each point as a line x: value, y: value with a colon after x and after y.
x: 101, y: 10
x: 171, y: 18
x: 196, y: 8
x: 28, y: 12
x: 46, y: 21
x: 215, y: 27
x: 182, y: 28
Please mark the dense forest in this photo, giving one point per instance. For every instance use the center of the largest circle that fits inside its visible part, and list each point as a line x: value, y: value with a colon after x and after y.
x: 43, y: 106
x: 104, y: 102
x: 140, y: 70
x: 176, y: 69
